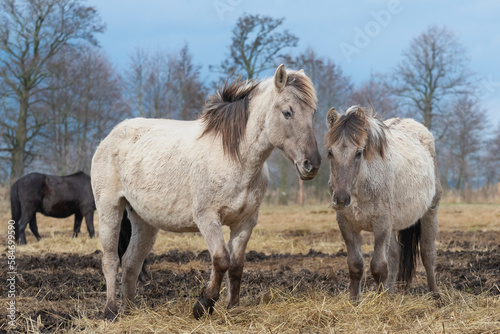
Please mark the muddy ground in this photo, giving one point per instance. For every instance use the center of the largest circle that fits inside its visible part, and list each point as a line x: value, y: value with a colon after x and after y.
x: 54, y: 288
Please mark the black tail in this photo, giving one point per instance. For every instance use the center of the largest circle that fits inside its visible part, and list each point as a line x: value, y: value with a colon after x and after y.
x: 409, y: 238
x: 124, y: 240
x: 15, y: 207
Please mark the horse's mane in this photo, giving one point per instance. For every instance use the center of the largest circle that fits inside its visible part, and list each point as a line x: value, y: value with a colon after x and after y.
x: 226, y: 114
x: 363, y: 129
x: 226, y: 111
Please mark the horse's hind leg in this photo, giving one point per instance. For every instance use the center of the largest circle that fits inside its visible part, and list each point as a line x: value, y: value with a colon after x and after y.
x: 141, y: 243
x: 211, y: 229
x: 110, y: 216
x: 34, y: 228
x: 429, y: 229
x: 240, y: 234
x: 89, y: 220
x: 77, y: 225
x: 26, y: 218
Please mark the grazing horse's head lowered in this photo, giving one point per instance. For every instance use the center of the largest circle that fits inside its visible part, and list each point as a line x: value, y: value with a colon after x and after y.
x: 352, y: 137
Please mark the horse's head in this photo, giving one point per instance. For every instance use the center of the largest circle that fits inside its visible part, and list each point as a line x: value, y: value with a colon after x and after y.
x: 352, y: 139
x: 290, y: 122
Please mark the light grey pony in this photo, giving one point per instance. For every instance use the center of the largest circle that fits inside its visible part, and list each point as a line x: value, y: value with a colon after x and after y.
x: 187, y: 176
x: 383, y: 179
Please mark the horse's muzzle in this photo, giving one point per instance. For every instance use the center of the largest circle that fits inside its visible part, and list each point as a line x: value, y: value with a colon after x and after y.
x: 341, y: 199
x: 307, y: 170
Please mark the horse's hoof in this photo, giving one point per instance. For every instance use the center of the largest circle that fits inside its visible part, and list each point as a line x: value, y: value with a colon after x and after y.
x: 110, y: 315
x: 201, y: 306
x: 436, y: 295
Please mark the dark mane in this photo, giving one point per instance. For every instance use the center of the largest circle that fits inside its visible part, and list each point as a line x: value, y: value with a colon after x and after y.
x: 366, y: 132
x: 226, y: 114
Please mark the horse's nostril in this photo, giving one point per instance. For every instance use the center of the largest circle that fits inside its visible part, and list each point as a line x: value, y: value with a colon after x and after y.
x: 307, y: 166
x: 348, y: 201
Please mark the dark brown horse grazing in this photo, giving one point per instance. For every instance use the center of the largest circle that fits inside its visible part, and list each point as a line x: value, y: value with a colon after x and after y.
x: 53, y: 196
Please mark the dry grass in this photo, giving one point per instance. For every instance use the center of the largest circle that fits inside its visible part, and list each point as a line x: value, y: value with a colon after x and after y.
x: 282, y: 230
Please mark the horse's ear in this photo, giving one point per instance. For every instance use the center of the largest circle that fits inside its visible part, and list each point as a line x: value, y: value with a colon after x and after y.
x: 302, y: 71
x: 331, y: 117
x: 280, y: 78
x: 360, y: 112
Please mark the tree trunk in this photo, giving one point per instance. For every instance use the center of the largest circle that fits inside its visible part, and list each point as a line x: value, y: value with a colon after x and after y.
x: 427, y: 116
x: 467, y: 194
x: 21, y: 135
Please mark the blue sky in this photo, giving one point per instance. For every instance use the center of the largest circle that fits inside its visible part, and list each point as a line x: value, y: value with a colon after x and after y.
x: 325, y: 26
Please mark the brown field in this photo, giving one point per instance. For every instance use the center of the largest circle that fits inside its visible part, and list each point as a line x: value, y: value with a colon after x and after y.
x: 295, y: 280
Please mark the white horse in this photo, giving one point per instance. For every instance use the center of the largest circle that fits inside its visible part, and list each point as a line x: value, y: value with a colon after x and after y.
x: 189, y: 176
x: 383, y: 178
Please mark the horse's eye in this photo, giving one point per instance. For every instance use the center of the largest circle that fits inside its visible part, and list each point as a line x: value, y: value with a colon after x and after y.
x: 287, y: 114
x: 330, y: 154
x: 359, y: 154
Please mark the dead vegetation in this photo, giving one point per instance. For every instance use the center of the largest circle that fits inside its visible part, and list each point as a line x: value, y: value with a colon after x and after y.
x: 295, y: 281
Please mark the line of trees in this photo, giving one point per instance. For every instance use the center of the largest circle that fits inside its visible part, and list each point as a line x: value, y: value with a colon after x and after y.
x: 60, y: 95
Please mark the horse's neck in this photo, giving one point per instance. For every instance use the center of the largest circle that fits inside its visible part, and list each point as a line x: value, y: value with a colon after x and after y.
x: 256, y: 147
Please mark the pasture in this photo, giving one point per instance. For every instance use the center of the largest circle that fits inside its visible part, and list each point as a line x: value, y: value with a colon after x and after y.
x: 295, y: 280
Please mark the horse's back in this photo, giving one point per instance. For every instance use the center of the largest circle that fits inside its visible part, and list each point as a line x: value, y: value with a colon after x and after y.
x: 30, y: 187
x: 413, y: 159
x: 149, y: 162
x: 413, y: 129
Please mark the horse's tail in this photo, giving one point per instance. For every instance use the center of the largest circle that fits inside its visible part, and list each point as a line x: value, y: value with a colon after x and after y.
x: 15, y: 207
x: 124, y: 240
x: 409, y: 238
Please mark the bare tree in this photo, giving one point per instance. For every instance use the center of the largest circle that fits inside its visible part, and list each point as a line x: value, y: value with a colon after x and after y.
x: 136, y: 76
x: 376, y: 94
x: 165, y: 84
x: 465, y: 137
x: 433, y: 70
x: 187, y: 91
x: 255, y: 46
x: 156, y: 85
x: 31, y: 33
x: 492, y: 159
x: 81, y: 108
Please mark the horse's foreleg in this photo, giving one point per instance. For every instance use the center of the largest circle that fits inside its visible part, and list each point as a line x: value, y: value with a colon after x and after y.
x: 211, y: 230
x: 34, y: 228
x: 141, y: 242
x: 429, y: 229
x: 89, y: 220
x: 240, y: 234
x: 394, y: 255
x: 382, y: 229
x: 355, y: 260
x: 110, y: 217
x: 77, y: 225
